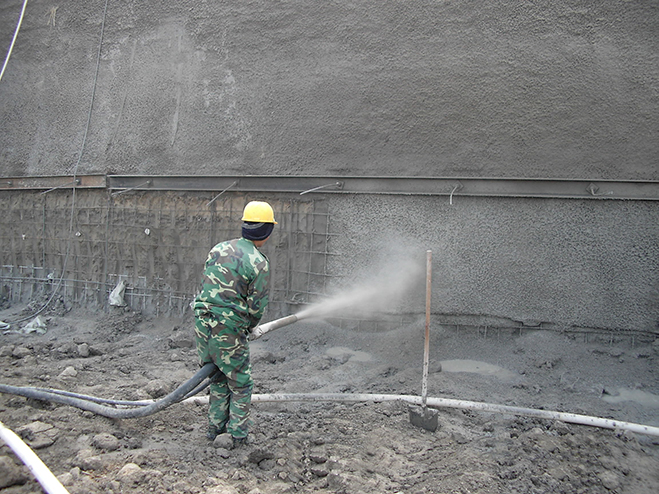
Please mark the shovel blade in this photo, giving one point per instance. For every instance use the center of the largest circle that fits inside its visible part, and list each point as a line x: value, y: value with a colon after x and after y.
x: 426, y: 418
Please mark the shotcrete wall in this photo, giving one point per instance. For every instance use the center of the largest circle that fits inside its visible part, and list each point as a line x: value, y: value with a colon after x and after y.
x: 430, y: 88
x: 548, y: 263
x: 498, y: 262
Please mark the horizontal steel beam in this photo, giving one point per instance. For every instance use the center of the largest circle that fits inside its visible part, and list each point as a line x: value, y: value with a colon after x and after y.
x: 485, y: 187
x: 53, y: 182
x: 640, y: 190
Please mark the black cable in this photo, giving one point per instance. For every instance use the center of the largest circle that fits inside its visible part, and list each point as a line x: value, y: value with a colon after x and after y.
x: 183, y: 391
x: 197, y: 390
x: 93, y: 399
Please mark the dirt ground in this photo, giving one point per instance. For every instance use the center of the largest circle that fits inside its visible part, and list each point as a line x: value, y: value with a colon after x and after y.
x: 328, y: 446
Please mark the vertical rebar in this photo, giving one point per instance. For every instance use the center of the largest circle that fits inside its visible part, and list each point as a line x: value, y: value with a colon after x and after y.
x: 213, y: 214
x: 310, y: 247
x: 289, y: 291
x: 106, y: 253
x: 43, y: 232
x: 326, y: 251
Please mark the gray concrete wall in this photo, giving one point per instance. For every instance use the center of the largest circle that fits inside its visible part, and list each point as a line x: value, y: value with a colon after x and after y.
x: 473, y: 88
x: 560, y: 264
x: 563, y: 89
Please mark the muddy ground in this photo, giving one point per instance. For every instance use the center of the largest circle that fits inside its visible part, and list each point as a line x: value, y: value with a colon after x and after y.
x: 334, y: 447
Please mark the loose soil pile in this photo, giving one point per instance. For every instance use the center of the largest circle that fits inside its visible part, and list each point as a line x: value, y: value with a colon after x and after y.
x: 326, y: 446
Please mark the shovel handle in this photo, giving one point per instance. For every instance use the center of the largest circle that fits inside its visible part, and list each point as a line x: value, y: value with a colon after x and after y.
x: 426, y: 345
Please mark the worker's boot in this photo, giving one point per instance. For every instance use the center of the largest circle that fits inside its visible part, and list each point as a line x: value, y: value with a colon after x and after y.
x: 239, y: 442
x: 214, y: 431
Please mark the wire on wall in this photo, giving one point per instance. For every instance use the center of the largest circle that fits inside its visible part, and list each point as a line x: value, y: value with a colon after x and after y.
x: 11, y: 46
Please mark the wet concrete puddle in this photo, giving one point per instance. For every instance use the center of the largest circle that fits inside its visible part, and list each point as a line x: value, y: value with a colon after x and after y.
x: 346, y: 354
x: 478, y: 367
x: 635, y: 395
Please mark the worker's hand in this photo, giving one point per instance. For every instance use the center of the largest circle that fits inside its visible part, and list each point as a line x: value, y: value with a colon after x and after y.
x: 254, y: 333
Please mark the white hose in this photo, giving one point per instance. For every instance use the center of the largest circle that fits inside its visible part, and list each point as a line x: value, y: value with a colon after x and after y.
x: 11, y: 47
x: 45, y: 477
x: 449, y: 403
x: 262, y: 329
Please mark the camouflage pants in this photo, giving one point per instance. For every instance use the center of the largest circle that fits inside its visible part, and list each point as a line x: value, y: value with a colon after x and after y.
x: 231, y: 388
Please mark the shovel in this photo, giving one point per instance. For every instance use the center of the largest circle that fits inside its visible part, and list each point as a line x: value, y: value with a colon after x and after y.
x: 423, y: 416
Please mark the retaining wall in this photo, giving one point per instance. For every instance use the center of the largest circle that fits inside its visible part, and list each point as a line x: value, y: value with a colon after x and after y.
x: 559, y: 89
x: 568, y: 265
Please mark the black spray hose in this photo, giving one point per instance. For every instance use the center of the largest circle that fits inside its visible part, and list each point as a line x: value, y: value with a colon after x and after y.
x: 184, y: 391
x: 121, y: 403
x: 94, y: 399
x: 197, y: 390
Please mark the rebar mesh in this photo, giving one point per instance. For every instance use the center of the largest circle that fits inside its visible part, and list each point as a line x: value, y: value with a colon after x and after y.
x: 156, y: 242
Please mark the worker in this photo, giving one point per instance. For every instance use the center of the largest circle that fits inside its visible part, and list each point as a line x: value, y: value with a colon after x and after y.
x: 232, y: 300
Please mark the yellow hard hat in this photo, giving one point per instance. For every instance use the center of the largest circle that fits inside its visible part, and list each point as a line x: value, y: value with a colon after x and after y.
x: 259, y: 212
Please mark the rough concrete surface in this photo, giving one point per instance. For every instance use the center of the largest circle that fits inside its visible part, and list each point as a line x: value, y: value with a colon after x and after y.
x: 562, y: 263
x: 443, y: 88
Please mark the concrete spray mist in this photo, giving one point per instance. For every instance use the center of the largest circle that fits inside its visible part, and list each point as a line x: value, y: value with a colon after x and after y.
x: 385, y: 291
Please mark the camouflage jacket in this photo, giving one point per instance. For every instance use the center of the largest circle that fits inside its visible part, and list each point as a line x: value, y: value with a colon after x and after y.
x: 235, y: 284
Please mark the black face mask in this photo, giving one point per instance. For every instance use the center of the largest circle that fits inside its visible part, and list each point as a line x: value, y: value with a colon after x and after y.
x: 257, y: 231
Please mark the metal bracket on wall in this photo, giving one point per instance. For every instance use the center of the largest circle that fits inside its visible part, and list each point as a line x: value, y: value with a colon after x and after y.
x: 334, y: 186
x: 138, y: 186
x: 547, y: 188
